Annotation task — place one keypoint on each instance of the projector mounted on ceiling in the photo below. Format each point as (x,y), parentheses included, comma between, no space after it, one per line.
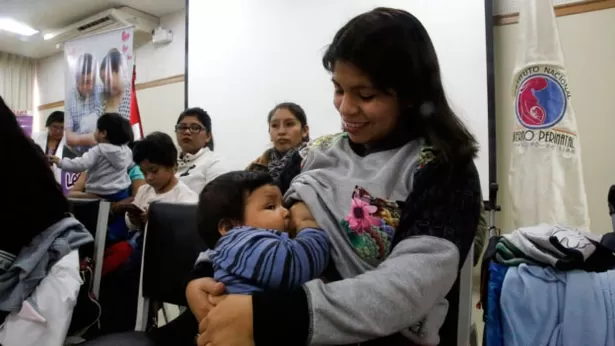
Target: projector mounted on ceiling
(114,18)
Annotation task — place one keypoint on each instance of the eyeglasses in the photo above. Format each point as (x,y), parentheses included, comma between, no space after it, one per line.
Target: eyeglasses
(194,128)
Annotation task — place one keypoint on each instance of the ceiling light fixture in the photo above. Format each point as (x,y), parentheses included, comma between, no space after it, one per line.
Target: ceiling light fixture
(49,36)
(11,25)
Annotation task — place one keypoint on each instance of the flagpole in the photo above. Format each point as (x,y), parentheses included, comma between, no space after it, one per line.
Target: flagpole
(491,205)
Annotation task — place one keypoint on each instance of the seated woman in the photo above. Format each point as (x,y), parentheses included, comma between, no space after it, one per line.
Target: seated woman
(197,164)
(397,193)
(51,141)
(289,133)
(39,242)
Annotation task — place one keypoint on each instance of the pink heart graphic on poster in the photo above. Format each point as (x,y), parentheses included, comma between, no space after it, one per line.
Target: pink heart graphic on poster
(124,48)
(129,57)
(125,36)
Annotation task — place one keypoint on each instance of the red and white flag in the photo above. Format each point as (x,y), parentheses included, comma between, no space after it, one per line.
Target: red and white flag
(135,116)
(546,174)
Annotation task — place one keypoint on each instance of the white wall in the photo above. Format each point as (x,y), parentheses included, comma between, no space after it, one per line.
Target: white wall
(153,63)
(589,54)
(271,52)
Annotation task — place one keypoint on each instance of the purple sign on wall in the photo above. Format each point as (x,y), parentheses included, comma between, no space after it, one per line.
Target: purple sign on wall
(25,121)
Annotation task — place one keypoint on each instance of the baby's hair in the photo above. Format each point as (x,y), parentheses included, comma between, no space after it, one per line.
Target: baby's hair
(158,148)
(117,128)
(224,199)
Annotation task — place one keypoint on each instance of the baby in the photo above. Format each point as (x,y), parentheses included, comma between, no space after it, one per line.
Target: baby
(107,162)
(242,218)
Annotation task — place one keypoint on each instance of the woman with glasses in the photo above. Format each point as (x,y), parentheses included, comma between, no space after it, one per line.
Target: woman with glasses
(197,164)
(51,141)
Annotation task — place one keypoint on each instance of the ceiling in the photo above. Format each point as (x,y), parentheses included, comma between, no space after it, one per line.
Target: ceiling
(50,15)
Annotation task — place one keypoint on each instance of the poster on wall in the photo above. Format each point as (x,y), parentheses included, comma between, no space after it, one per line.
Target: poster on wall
(25,120)
(98,74)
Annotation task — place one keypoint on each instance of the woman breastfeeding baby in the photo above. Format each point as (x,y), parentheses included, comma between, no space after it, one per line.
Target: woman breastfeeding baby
(397,194)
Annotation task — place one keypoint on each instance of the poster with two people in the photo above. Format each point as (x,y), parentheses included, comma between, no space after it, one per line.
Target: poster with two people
(98,76)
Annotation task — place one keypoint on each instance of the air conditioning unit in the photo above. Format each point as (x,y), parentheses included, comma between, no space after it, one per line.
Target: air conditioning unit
(114,18)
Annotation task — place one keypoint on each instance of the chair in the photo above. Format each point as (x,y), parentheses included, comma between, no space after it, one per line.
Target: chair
(611,203)
(458,323)
(171,247)
(94,215)
(464,323)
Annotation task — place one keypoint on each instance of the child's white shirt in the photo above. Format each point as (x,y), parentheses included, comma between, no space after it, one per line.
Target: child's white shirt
(146,195)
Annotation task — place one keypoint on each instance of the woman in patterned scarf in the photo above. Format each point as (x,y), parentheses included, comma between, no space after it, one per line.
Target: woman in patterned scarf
(289,133)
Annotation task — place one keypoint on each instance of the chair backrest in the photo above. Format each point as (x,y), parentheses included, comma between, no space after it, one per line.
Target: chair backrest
(456,327)
(94,215)
(611,203)
(171,248)
(86,211)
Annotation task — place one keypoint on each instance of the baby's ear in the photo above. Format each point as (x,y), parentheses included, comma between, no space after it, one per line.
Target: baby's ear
(225,225)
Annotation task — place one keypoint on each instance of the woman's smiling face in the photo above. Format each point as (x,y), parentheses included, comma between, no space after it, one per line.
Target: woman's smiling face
(368,114)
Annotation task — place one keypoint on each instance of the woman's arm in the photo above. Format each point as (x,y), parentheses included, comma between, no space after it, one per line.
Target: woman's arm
(75,140)
(437,231)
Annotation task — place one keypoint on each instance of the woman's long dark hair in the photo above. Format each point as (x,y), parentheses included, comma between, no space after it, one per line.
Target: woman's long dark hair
(33,200)
(393,48)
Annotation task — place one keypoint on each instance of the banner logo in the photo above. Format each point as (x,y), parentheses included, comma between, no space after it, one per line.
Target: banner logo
(541,100)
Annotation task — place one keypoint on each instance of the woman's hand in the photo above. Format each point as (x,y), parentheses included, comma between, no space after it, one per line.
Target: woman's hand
(202,296)
(53,159)
(301,217)
(229,323)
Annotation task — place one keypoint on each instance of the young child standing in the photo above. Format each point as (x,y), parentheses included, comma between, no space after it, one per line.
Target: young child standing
(107,162)
(156,155)
(242,218)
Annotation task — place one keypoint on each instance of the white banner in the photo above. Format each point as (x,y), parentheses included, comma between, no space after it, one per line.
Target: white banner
(98,76)
(546,175)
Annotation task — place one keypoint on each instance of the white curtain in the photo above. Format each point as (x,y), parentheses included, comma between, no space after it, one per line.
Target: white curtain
(17,81)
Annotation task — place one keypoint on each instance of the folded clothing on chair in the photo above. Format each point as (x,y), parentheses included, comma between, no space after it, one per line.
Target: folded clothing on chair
(543,306)
(557,246)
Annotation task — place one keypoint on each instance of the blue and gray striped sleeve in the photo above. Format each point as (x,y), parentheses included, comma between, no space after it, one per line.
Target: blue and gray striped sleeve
(270,259)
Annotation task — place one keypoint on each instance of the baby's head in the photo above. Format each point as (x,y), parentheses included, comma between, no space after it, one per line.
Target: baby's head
(114,129)
(240,198)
